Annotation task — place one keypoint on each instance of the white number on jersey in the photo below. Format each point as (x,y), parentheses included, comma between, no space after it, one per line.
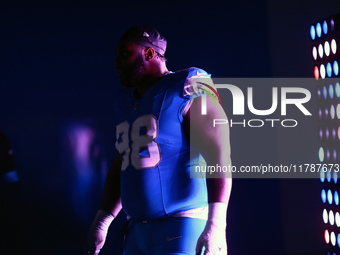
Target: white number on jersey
(139,140)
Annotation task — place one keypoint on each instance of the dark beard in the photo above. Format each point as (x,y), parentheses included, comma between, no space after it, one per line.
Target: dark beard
(133,74)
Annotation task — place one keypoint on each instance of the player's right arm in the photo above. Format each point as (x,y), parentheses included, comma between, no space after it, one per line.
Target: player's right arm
(108,209)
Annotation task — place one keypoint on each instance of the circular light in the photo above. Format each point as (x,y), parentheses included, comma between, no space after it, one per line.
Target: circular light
(329,197)
(326,236)
(322,176)
(321,154)
(328,154)
(323,196)
(320,113)
(324,92)
(336,68)
(337,219)
(327,48)
(325,27)
(318,29)
(329,176)
(330,88)
(332,111)
(336,198)
(337,89)
(326,113)
(320,51)
(327,133)
(315,53)
(316,73)
(333,239)
(331,217)
(333,46)
(335,178)
(338,111)
(329,69)
(312,32)
(323,71)
(320,134)
(325,216)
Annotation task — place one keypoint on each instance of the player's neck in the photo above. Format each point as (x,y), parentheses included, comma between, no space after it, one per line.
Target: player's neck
(150,79)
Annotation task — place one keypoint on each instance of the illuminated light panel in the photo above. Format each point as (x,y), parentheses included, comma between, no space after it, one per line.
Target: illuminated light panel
(324,92)
(316,73)
(333,46)
(329,69)
(323,196)
(322,176)
(334,154)
(338,240)
(335,178)
(329,176)
(319,93)
(337,89)
(327,48)
(332,111)
(325,216)
(323,71)
(338,111)
(320,113)
(329,197)
(328,154)
(326,113)
(331,217)
(312,32)
(336,68)
(327,134)
(337,219)
(320,49)
(318,29)
(330,88)
(333,239)
(333,133)
(315,53)
(326,236)
(321,154)
(325,27)
(336,198)
(320,133)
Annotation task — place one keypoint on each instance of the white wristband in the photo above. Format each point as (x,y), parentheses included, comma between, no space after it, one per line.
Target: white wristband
(103,218)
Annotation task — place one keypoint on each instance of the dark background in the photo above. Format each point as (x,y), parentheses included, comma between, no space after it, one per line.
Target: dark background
(58,81)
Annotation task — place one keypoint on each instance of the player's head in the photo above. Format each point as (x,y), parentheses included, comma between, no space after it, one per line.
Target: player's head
(140,51)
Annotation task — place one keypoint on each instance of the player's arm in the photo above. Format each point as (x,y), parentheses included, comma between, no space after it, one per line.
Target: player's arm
(214,145)
(109,208)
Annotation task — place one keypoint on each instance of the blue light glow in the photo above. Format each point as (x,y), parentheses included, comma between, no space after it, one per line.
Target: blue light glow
(322,176)
(318,29)
(329,197)
(325,27)
(329,175)
(336,198)
(336,68)
(324,92)
(312,32)
(335,178)
(338,240)
(329,69)
(323,196)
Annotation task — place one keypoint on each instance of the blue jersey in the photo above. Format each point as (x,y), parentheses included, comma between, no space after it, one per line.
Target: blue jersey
(155,152)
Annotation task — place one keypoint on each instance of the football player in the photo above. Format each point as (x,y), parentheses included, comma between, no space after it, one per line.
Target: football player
(161,135)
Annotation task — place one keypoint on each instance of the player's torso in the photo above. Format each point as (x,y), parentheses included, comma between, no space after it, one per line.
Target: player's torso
(155,176)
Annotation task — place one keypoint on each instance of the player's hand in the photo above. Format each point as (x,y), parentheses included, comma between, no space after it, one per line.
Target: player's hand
(98,231)
(213,239)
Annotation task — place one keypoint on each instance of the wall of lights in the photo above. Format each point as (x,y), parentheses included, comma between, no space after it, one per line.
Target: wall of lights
(325,37)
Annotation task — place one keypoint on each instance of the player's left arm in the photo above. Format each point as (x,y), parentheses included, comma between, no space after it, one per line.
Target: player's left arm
(214,145)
